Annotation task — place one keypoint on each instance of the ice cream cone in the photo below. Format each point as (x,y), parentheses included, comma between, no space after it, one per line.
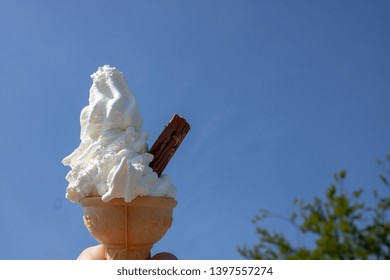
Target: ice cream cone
(128,230)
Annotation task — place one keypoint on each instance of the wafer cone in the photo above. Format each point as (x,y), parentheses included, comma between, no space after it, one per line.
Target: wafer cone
(128,230)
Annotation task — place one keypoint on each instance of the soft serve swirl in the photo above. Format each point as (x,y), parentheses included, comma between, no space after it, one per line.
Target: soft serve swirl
(112,159)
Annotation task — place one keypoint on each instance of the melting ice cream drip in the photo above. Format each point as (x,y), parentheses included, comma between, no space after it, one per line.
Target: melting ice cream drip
(112,159)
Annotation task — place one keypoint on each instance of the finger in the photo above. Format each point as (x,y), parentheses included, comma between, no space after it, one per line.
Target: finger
(164,256)
(93,253)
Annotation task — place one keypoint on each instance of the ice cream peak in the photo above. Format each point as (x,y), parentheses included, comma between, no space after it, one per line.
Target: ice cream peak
(111,105)
(112,159)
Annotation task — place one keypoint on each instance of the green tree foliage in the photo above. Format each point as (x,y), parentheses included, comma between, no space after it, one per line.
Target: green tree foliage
(341,223)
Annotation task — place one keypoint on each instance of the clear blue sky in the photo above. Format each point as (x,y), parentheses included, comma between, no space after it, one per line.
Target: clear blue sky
(280,95)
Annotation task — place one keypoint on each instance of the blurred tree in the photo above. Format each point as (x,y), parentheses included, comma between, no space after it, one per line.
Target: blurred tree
(342,224)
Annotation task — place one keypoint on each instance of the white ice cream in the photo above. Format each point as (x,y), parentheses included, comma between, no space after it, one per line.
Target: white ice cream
(112,159)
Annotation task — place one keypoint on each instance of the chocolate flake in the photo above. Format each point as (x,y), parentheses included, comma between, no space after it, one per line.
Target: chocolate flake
(168,142)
